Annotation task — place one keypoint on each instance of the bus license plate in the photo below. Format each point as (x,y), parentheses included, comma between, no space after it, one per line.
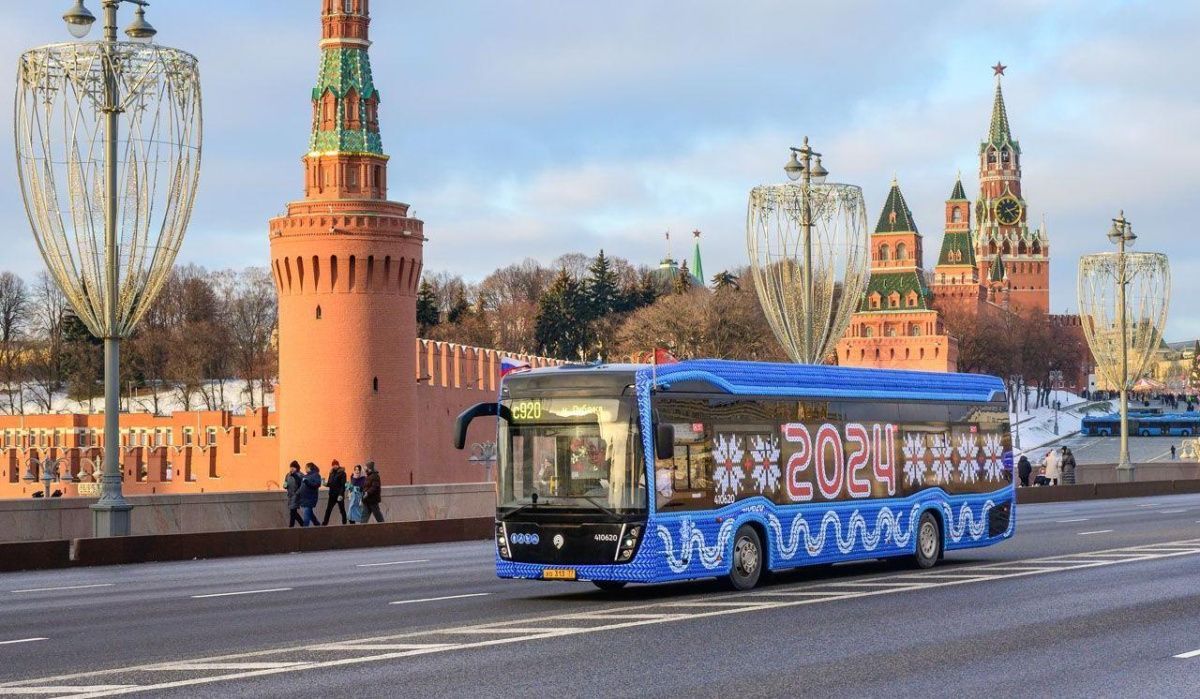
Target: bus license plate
(558,574)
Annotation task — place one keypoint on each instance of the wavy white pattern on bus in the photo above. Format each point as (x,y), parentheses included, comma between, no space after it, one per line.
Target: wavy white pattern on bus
(885,519)
(857,535)
(692,539)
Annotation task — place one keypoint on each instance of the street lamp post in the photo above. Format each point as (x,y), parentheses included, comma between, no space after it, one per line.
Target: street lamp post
(1015,381)
(801,167)
(1056,379)
(807,246)
(1121,234)
(108,140)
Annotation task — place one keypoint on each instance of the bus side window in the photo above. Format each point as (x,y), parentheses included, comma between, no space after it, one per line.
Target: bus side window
(685,481)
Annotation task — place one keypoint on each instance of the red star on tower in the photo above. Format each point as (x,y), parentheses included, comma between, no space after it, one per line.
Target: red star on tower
(998,69)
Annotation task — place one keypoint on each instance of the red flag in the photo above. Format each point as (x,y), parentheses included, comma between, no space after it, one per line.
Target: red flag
(664,356)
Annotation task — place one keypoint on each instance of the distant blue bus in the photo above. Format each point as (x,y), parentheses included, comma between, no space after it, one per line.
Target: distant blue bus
(1143,425)
(706,468)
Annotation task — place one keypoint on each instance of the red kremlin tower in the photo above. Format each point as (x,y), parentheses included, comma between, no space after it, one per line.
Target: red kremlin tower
(347,263)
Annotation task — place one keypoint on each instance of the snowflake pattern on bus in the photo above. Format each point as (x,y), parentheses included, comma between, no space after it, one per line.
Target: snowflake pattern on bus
(968,465)
(942,449)
(993,456)
(914,458)
(728,473)
(765,454)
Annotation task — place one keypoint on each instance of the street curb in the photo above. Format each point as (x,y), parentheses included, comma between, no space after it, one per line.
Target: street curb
(1105,491)
(65,553)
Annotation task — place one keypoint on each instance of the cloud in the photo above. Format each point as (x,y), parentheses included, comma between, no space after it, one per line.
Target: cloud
(539,128)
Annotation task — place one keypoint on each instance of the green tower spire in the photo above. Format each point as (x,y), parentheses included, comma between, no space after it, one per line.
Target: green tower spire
(345,103)
(697,265)
(896,216)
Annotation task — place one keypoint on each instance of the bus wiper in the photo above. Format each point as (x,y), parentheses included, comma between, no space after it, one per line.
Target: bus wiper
(599,505)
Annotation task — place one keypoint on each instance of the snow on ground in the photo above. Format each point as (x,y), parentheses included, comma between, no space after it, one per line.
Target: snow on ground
(1036,426)
(233,398)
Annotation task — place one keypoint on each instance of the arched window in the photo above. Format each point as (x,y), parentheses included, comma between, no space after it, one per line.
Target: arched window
(901,251)
(375,384)
(915,330)
(1037,248)
(884,251)
(1021,249)
(1004,156)
(992,249)
(956,214)
(1006,248)
(318,312)
(868,331)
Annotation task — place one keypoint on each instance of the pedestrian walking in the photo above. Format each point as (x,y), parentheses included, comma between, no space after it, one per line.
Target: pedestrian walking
(1068,466)
(336,484)
(310,490)
(1024,468)
(372,494)
(1053,467)
(1172,452)
(357,482)
(291,483)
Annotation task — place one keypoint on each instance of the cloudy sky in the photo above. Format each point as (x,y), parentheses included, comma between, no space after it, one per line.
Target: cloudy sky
(543,127)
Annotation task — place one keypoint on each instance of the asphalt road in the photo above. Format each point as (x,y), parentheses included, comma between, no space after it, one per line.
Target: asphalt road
(1089,599)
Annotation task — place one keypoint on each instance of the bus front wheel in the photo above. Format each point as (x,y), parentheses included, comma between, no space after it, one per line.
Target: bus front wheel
(747,564)
(929,541)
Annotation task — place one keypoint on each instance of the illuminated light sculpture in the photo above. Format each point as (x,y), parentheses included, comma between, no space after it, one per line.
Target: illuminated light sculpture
(108,137)
(807,243)
(1123,300)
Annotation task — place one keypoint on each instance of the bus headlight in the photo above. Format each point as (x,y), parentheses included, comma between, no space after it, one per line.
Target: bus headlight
(628,543)
(502,540)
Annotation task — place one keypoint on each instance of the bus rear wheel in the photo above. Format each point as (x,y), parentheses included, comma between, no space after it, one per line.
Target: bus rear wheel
(929,541)
(747,565)
(609,585)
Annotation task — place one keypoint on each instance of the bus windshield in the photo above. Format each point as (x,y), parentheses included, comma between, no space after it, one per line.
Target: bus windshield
(580,453)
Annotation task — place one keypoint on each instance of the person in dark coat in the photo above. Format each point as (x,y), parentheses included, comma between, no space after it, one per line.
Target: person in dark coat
(1068,467)
(291,483)
(1024,468)
(310,490)
(336,483)
(372,495)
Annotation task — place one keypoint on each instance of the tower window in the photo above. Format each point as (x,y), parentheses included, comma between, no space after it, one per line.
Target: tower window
(956,214)
(884,252)
(901,251)
(318,312)
(375,384)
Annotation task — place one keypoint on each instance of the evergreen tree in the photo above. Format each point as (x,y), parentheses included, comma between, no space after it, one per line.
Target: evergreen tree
(427,307)
(459,307)
(560,328)
(683,280)
(603,294)
(726,280)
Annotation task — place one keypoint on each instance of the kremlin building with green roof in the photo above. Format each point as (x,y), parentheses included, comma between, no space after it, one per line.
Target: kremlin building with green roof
(999,266)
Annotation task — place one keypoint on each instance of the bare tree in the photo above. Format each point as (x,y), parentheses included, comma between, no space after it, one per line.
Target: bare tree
(49,308)
(14,318)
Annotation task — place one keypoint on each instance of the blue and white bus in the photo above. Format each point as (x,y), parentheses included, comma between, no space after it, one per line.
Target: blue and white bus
(710,468)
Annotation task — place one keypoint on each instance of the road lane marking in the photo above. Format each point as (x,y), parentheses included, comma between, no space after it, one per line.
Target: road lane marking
(546,627)
(439,599)
(194,667)
(1098,531)
(65,690)
(1067,521)
(23,640)
(66,587)
(1189,654)
(390,563)
(241,592)
(1171,512)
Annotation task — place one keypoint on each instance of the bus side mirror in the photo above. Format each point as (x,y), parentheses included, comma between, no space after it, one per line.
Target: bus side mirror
(664,441)
(464,420)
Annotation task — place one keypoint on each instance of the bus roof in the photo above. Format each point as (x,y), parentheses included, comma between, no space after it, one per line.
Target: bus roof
(800,380)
